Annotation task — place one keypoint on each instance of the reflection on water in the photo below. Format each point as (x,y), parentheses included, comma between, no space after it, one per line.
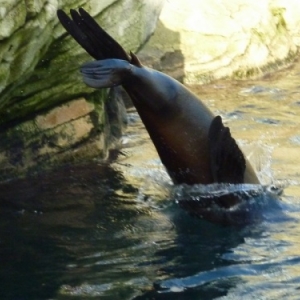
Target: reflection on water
(249,203)
(111,231)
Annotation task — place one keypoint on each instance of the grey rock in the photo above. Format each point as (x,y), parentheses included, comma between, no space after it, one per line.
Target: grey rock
(231,38)
(48,117)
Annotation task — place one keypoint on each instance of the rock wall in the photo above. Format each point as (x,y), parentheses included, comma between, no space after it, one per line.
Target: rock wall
(39,62)
(47,115)
(74,132)
(231,38)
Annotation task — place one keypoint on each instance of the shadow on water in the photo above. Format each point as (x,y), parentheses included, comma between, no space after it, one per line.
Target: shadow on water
(200,268)
(49,220)
(77,232)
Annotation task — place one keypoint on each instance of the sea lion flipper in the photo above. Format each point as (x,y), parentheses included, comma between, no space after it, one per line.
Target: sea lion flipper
(78,35)
(85,30)
(227,160)
(109,46)
(106,73)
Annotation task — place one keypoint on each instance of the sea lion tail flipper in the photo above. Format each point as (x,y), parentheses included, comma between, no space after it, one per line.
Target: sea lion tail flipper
(106,73)
(94,39)
(79,36)
(227,160)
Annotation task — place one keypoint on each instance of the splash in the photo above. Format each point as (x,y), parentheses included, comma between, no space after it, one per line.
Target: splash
(227,203)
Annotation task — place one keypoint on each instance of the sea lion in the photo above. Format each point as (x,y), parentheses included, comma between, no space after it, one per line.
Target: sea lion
(192,143)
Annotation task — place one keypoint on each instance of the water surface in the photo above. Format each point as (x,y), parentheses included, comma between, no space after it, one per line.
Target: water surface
(111,231)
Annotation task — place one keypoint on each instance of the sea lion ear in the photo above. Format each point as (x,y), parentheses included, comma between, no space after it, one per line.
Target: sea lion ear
(227,160)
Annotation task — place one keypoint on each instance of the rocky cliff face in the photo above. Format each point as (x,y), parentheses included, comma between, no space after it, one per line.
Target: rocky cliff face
(232,38)
(39,61)
(46,115)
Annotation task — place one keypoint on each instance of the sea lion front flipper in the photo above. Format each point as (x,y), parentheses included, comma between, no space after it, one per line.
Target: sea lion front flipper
(95,40)
(227,160)
(106,73)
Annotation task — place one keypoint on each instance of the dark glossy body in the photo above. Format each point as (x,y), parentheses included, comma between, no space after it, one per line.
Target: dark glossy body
(177,121)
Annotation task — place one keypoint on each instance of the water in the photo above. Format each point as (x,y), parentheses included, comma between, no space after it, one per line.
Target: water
(111,231)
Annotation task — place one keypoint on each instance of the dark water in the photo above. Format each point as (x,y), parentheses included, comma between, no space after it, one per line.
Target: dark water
(112,232)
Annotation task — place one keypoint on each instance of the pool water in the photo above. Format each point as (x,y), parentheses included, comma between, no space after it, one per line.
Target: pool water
(112,231)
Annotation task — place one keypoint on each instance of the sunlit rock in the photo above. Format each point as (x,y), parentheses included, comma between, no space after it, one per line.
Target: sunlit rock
(215,39)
